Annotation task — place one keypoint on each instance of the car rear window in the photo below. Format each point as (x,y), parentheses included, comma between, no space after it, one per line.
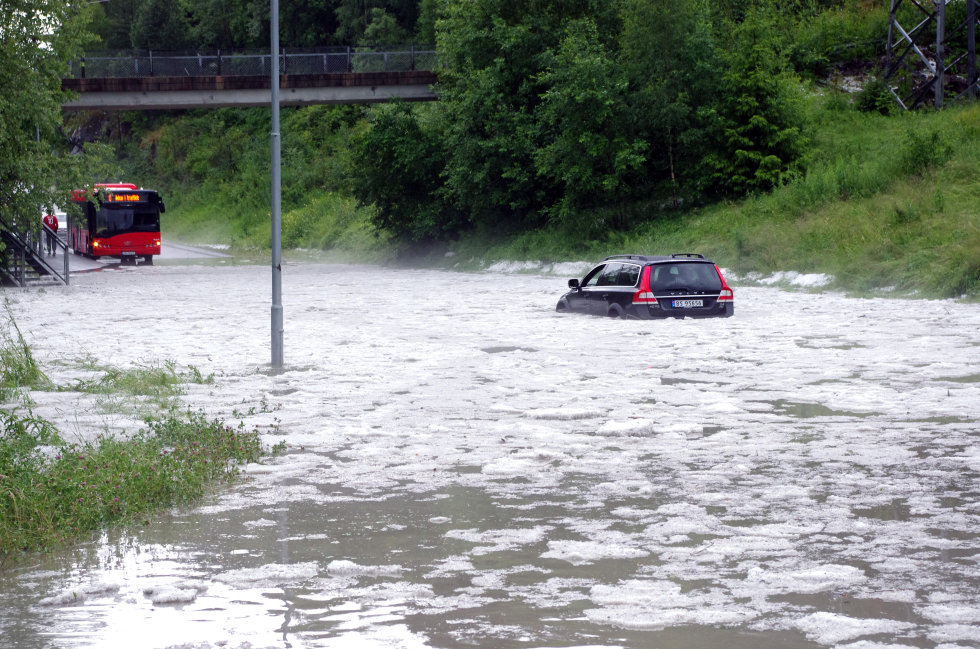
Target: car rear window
(692,276)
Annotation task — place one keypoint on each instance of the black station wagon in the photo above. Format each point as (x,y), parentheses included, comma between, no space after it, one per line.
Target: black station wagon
(635,286)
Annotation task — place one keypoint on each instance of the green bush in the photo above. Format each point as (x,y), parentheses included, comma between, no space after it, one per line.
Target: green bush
(56,492)
(924,149)
(875,97)
(52,492)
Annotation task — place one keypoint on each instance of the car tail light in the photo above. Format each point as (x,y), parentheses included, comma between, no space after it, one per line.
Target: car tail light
(645,295)
(726,292)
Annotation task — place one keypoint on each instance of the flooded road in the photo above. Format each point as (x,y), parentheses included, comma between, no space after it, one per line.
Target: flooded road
(466,467)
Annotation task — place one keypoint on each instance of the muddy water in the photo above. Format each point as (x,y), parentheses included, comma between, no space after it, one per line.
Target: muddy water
(271,576)
(467,468)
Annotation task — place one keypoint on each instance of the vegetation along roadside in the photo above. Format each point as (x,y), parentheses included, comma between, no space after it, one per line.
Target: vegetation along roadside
(760,132)
(53,492)
(756,132)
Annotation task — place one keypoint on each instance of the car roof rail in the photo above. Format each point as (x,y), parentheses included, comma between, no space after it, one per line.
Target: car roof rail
(688,255)
(641,257)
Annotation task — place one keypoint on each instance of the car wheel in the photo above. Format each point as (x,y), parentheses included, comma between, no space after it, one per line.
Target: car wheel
(616,312)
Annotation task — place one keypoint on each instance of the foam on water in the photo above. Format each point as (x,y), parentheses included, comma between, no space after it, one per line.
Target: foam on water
(463,463)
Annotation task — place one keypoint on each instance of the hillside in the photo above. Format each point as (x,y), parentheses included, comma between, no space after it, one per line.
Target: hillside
(888,202)
(888,205)
(569,133)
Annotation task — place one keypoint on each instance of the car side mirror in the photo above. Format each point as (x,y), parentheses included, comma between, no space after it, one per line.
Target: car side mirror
(163,208)
(573,283)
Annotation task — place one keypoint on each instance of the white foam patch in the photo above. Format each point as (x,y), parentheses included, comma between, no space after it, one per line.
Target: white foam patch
(171,595)
(628,427)
(793,278)
(564,414)
(511,466)
(643,604)
(272,574)
(262,522)
(374,634)
(956,633)
(500,540)
(814,580)
(81,593)
(831,629)
(951,614)
(583,552)
(451,566)
(346,568)
(867,644)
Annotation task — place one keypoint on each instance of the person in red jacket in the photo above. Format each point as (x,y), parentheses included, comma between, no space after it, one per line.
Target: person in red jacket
(51,221)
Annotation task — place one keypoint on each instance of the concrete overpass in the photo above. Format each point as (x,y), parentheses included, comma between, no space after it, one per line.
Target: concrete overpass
(160,81)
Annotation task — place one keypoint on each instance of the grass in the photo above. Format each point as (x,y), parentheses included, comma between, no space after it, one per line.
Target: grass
(325,221)
(141,390)
(887,203)
(53,493)
(18,368)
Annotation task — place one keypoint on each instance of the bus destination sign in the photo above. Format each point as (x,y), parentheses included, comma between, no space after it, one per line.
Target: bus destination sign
(124,198)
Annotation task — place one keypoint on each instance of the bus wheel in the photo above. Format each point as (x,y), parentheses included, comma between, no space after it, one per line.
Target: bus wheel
(148,259)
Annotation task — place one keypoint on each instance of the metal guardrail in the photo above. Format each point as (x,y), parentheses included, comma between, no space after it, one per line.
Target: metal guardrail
(24,255)
(150,63)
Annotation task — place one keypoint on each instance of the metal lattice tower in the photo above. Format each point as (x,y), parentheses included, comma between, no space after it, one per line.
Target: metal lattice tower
(928,59)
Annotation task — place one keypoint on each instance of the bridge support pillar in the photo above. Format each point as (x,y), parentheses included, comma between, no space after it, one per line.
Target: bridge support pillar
(920,65)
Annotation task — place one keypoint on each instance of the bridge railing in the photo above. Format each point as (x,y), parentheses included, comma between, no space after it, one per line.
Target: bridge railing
(150,63)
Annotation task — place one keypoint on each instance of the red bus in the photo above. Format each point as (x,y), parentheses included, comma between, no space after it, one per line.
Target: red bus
(116,220)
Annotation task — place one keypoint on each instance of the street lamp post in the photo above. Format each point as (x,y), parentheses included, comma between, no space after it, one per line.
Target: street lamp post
(277,328)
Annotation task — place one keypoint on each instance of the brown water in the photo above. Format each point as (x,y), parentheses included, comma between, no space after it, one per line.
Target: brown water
(476,470)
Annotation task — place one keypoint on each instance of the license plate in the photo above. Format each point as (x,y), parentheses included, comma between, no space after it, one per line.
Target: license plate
(128,253)
(686,304)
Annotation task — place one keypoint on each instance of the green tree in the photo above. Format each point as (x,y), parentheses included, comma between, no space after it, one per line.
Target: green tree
(589,149)
(425,27)
(355,16)
(37,38)
(302,23)
(113,23)
(160,24)
(383,29)
(757,120)
(496,54)
(668,53)
(396,166)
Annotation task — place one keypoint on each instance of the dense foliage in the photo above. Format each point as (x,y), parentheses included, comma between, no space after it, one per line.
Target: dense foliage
(565,114)
(231,24)
(577,115)
(572,130)
(37,37)
(56,492)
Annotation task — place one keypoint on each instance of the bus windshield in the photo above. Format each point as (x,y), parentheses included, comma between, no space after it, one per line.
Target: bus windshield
(112,221)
